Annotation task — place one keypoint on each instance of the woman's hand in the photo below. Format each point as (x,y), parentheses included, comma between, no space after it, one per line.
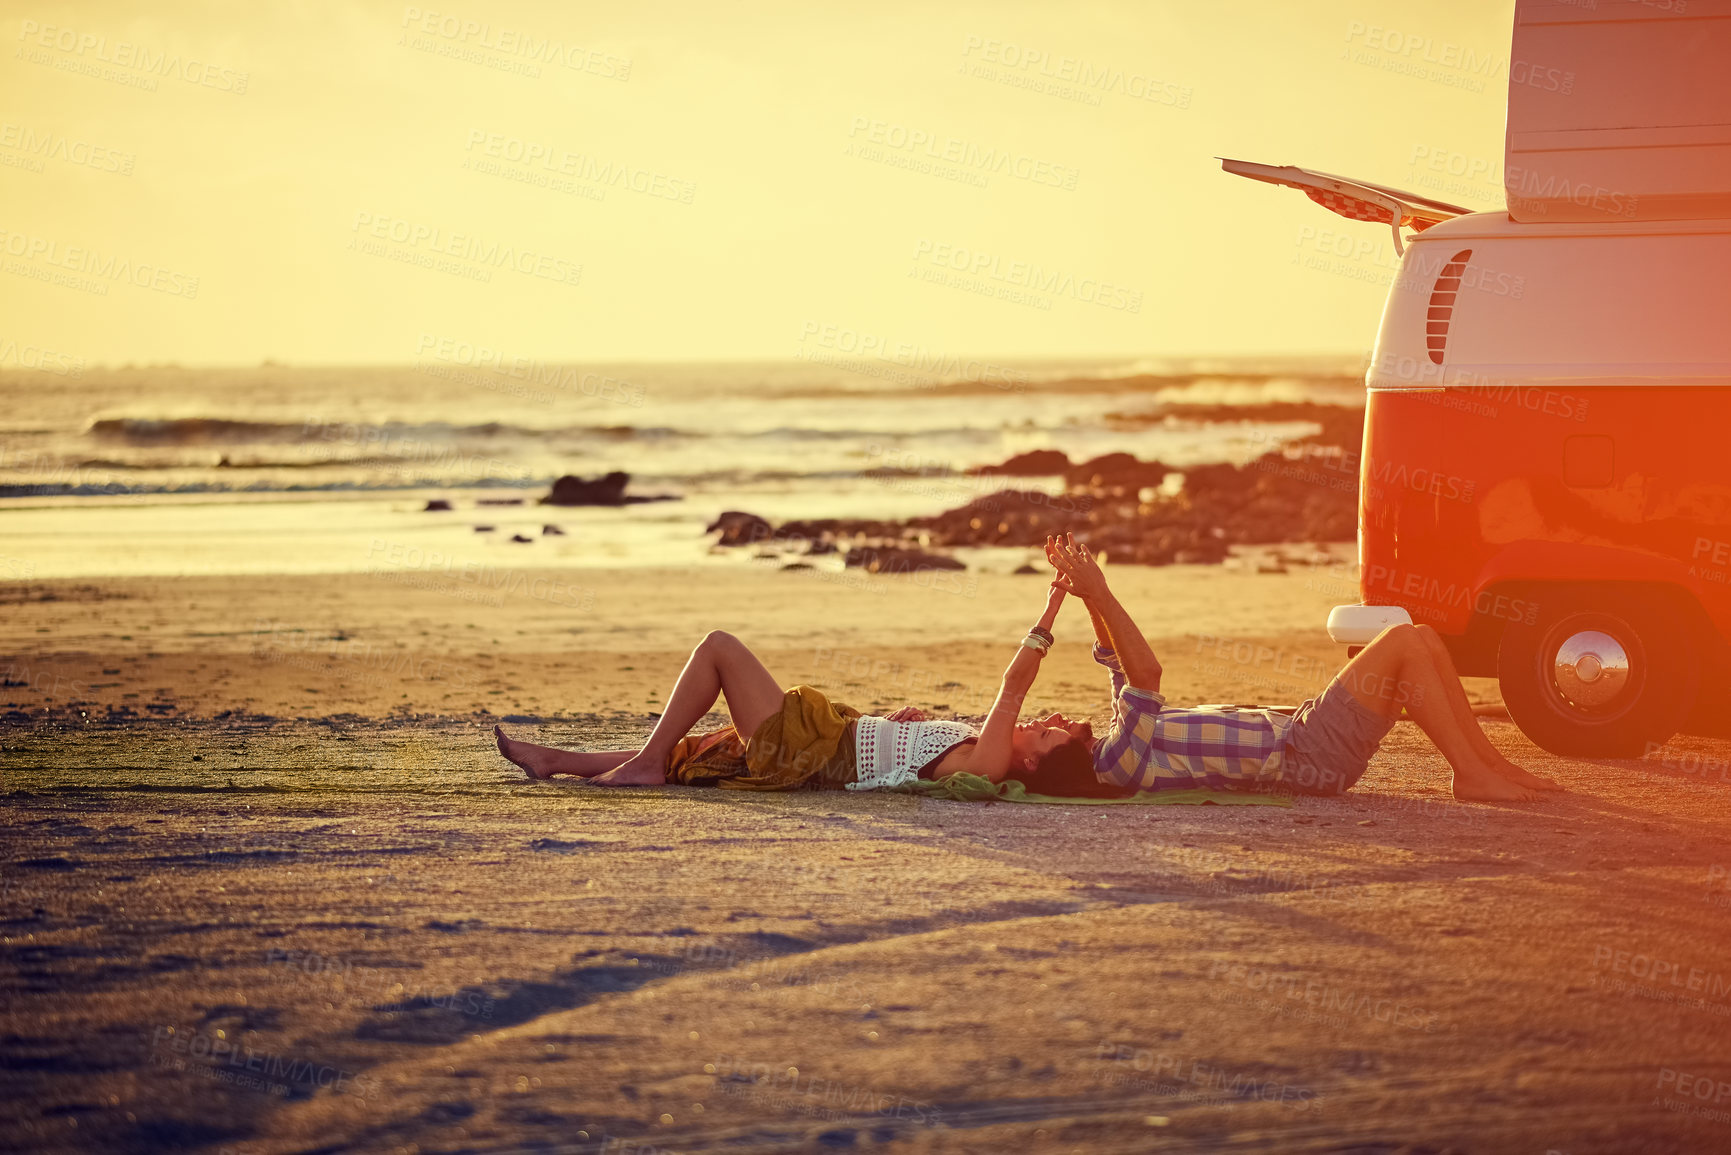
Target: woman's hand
(908,714)
(1078,572)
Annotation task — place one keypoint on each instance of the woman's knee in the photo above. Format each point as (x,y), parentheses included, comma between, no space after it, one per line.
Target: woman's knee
(718,640)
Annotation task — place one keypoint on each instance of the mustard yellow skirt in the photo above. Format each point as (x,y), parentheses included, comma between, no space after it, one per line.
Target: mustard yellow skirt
(807,745)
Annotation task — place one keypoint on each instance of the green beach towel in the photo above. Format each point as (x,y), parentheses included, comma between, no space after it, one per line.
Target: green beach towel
(965,787)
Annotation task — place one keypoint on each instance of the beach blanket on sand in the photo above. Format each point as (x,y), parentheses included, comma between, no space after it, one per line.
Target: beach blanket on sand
(973,788)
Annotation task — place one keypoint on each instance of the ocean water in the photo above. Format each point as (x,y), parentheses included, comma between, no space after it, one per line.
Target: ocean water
(165,470)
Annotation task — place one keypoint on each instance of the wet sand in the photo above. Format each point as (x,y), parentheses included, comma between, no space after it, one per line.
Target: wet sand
(267,887)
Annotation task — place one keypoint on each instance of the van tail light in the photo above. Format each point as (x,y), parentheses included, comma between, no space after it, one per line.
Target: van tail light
(1442,304)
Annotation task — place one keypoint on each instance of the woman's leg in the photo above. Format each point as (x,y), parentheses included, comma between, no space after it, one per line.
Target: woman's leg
(1397,670)
(1463,711)
(721,665)
(546,761)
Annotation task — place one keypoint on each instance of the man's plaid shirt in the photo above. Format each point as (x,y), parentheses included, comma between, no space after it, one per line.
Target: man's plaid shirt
(1155,748)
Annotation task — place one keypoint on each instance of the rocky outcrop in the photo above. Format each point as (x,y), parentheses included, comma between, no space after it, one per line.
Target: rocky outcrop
(1116,471)
(573,490)
(1305,492)
(1038,463)
(740,528)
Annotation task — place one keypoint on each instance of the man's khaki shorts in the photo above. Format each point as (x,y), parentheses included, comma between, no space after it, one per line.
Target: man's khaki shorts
(1331,742)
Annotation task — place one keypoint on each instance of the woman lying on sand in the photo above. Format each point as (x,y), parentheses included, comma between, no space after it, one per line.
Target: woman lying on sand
(798,739)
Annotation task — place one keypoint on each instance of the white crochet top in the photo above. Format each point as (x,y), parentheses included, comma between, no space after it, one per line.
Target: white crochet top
(889,754)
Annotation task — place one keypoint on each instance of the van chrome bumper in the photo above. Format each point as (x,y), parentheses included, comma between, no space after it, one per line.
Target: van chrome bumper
(1357,625)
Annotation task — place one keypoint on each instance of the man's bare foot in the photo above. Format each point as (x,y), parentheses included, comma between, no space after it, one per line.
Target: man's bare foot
(637,771)
(1479,783)
(1522,778)
(530,757)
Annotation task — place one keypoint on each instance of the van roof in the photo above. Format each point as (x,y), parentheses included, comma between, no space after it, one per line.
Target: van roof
(1618,110)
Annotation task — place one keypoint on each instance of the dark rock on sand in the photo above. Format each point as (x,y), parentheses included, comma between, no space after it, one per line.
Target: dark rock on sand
(740,528)
(573,490)
(1036,463)
(437,505)
(552,531)
(484,528)
(500,501)
(520,538)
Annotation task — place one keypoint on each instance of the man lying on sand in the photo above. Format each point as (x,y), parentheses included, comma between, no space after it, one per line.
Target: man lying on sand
(798,739)
(1322,748)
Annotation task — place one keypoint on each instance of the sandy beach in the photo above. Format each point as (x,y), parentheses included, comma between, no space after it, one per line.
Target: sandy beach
(268,887)
(377,376)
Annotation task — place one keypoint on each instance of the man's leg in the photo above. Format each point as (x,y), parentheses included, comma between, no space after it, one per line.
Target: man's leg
(720,665)
(1396,671)
(1463,711)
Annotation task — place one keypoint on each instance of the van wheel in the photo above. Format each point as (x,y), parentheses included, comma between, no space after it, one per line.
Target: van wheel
(1599,674)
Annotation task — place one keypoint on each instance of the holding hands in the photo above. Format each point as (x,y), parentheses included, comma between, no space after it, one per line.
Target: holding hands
(1078,572)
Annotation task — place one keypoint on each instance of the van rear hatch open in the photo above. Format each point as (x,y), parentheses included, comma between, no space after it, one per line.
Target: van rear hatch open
(1358,200)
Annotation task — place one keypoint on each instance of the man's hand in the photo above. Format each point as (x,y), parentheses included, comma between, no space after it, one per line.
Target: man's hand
(908,714)
(1113,629)
(1078,572)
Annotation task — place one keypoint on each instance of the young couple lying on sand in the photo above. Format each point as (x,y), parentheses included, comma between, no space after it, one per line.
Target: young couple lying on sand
(798,739)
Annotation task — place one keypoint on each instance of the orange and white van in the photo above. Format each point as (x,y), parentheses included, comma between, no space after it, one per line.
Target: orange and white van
(1545,476)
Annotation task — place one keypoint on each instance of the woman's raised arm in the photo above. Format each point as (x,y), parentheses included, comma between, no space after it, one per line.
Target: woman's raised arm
(991,754)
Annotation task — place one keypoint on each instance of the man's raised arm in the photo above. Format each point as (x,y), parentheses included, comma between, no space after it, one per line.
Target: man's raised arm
(1114,629)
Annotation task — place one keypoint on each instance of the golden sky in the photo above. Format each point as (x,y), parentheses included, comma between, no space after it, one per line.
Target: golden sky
(322,183)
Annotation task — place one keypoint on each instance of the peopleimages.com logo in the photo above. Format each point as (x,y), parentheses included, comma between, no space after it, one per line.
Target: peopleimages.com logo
(124,61)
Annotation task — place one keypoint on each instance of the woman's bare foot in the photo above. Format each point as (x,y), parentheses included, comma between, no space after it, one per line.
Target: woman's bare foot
(1475,782)
(532,758)
(638,771)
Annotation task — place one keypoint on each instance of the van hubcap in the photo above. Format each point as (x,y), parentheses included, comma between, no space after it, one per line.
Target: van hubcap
(1591,669)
